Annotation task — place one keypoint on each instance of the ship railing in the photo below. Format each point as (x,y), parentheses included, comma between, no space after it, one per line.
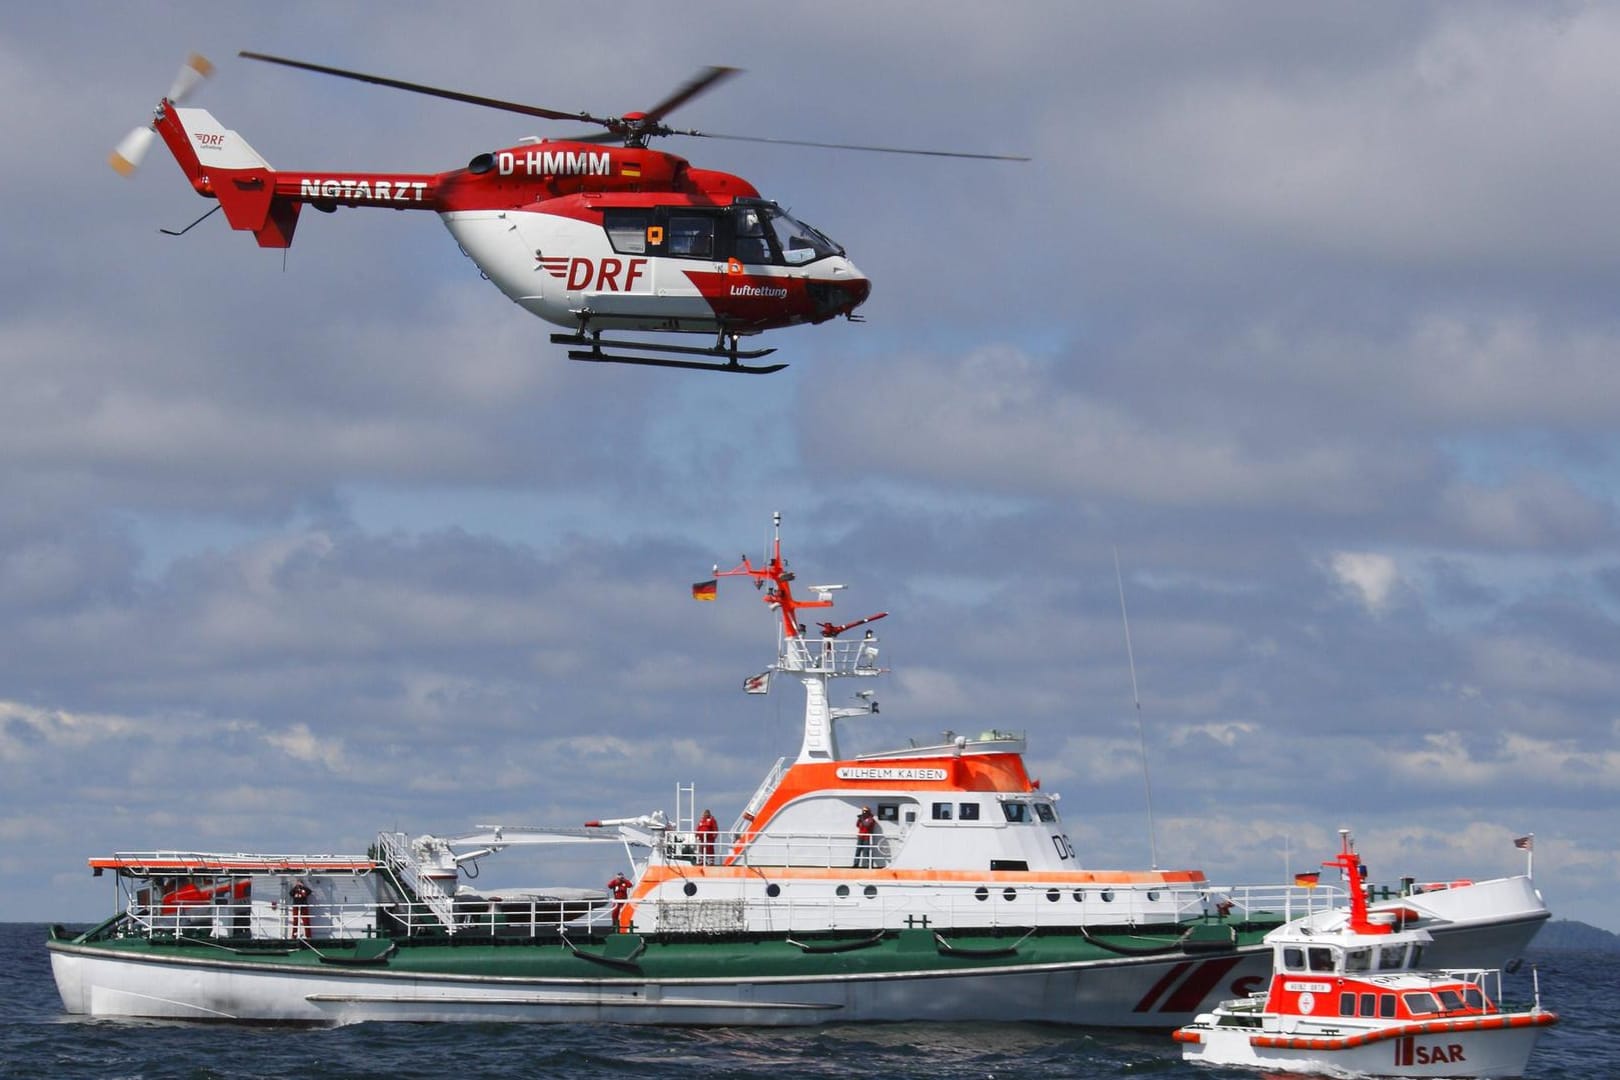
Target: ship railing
(829,656)
(266,921)
(780,849)
(752,808)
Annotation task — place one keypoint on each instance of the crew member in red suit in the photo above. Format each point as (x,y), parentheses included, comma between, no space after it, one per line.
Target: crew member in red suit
(619,887)
(299,915)
(707,830)
(865,826)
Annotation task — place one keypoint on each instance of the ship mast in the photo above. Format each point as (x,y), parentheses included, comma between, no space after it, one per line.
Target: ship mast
(816,661)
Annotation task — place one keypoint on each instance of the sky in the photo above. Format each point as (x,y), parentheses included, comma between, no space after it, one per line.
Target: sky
(1305,313)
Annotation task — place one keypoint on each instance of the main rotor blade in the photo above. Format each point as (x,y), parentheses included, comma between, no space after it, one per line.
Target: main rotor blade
(853,146)
(431,91)
(699,83)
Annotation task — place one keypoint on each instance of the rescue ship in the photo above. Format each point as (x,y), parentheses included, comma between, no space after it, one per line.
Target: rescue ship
(1352,994)
(960,897)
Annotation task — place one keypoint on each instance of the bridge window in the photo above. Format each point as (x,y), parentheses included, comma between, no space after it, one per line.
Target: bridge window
(1294,959)
(1015,811)
(1321,959)
(1045,812)
(1420,1004)
(888,811)
(968,811)
(942,811)
(1358,960)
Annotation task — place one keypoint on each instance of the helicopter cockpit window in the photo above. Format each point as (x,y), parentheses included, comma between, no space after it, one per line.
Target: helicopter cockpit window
(627,230)
(752,246)
(800,243)
(690,237)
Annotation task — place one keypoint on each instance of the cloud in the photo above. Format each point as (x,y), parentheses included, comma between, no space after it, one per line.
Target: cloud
(1369,576)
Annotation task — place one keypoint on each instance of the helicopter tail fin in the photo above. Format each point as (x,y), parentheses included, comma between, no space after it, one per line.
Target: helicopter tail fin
(220,163)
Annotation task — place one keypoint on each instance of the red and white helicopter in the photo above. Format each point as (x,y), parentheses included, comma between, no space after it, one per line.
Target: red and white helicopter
(587,236)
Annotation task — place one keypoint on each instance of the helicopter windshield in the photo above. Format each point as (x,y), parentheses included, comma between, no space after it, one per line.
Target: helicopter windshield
(799,242)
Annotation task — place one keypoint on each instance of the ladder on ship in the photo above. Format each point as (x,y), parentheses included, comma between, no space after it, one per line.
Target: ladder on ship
(396,853)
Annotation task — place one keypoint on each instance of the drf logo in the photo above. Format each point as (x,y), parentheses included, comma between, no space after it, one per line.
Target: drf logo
(208,140)
(593,275)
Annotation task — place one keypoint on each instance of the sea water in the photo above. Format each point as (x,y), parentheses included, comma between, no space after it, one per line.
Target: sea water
(39,1039)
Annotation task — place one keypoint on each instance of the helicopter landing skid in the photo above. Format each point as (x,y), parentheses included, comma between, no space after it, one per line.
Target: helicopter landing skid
(589,349)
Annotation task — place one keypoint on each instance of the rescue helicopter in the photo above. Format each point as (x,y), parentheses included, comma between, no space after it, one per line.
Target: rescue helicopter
(598,233)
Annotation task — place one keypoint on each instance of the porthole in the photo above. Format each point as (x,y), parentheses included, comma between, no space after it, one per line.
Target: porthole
(842,891)
(1108,896)
(1153,894)
(690,888)
(1053,895)
(773,890)
(1009,894)
(981,893)
(1079,896)
(870,891)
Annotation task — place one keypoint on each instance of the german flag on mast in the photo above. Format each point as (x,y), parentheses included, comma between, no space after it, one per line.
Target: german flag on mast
(706,590)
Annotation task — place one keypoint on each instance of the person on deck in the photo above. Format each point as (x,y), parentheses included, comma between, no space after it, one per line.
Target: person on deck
(298,913)
(619,889)
(707,829)
(865,826)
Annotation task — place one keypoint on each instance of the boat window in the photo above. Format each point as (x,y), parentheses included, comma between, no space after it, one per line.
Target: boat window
(1386,1006)
(1475,997)
(627,229)
(968,811)
(1417,956)
(1450,1000)
(1369,1003)
(842,891)
(1391,957)
(1045,812)
(690,237)
(942,811)
(1015,811)
(1294,958)
(888,811)
(1358,959)
(1321,959)
(1347,1004)
(1420,1003)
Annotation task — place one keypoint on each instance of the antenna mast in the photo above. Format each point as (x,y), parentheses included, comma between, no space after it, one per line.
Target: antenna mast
(1136,699)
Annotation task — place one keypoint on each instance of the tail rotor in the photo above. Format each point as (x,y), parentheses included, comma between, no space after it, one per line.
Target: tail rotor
(126,156)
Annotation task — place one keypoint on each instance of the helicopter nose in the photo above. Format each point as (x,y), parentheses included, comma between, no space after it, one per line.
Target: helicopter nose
(838,297)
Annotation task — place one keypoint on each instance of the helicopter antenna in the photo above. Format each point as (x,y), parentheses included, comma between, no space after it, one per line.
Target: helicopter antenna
(1136,699)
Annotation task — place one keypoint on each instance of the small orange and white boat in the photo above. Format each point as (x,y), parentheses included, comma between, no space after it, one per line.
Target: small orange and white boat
(1349,995)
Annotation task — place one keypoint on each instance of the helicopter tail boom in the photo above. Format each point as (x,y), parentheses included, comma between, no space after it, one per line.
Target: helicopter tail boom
(221,165)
